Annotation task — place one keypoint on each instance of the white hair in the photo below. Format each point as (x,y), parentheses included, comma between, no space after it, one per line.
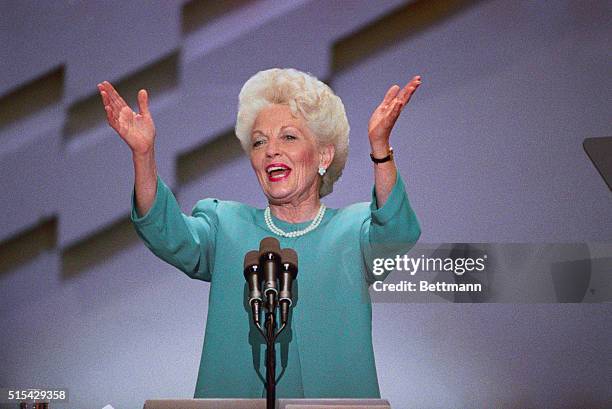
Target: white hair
(322,109)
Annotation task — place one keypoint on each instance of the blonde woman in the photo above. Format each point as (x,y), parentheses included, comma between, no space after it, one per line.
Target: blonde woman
(294,130)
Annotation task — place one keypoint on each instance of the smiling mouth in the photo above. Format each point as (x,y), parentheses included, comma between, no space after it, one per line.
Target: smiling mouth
(277,172)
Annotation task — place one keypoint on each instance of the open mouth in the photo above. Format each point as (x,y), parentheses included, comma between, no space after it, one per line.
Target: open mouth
(277,171)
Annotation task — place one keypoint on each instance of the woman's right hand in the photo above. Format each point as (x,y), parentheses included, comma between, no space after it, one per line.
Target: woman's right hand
(136,129)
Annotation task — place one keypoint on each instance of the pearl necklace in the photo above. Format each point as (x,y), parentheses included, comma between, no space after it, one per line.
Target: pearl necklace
(313,225)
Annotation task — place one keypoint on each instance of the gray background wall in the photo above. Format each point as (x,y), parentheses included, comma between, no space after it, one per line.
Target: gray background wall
(490,149)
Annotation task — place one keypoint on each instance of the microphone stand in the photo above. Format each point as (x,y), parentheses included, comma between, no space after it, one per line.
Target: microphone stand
(271,305)
(270,335)
(270,361)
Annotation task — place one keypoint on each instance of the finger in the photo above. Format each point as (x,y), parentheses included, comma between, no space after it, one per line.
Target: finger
(105,98)
(109,93)
(125,119)
(414,81)
(143,102)
(391,93)
(103,94)
(106,89)
(395,110)
(110,106)
(409,94)
(109,116)
(405,94)
(391,117)
(108,111)
(115,97)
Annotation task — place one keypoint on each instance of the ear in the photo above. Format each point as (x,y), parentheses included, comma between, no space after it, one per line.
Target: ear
(326,155)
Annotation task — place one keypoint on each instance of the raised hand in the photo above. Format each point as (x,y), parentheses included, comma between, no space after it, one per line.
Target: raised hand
(136,129)
(384,116)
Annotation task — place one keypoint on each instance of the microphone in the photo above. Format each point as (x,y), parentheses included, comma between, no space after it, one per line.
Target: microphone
(270,264)
(269,260)
(253,277)
(289,272)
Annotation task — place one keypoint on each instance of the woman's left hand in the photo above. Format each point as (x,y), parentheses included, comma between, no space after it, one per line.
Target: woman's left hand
(385,115)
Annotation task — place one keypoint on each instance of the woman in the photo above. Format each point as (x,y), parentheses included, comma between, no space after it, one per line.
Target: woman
(295,132)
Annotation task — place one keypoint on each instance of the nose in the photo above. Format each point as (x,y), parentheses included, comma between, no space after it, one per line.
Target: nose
(272,148)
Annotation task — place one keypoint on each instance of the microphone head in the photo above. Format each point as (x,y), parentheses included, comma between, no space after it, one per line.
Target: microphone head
(251,258)
(290,257)
(269,245)
(253,276)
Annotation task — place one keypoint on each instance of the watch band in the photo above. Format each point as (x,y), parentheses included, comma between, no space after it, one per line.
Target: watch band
(383,160)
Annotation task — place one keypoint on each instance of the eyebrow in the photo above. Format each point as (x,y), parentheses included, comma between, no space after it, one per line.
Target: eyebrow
(290,126)
(257,131)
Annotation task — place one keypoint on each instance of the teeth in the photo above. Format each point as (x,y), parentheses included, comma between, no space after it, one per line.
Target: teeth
(272,169)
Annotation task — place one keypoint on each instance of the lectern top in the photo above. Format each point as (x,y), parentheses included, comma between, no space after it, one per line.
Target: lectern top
(261,404)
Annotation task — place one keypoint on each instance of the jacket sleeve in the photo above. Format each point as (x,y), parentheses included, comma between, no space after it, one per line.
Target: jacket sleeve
(389,231)
(186,242)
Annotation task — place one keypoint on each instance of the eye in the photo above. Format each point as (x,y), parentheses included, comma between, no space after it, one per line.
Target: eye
(258,143)
(290,137)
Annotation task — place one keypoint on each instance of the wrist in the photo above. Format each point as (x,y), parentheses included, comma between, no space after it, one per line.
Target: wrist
(380,150)
(388,157)
(147,154)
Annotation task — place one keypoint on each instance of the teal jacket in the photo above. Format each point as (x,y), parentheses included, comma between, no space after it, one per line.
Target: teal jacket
(326,351)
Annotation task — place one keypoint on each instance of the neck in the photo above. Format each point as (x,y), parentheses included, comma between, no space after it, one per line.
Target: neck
(302,211)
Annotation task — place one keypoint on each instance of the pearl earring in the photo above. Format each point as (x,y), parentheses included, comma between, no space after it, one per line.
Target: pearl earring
(322,170)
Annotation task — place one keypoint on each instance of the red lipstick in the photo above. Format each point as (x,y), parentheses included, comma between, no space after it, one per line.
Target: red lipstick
(277,171)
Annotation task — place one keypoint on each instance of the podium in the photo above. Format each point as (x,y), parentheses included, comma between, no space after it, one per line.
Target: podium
(261,404)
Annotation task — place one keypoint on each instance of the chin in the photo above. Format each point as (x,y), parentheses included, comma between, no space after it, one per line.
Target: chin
(278,194)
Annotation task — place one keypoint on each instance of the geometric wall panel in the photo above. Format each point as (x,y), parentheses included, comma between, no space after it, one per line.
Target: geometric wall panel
(198,13)
(393,28)
(489,148)
(98,178)
(28,99)
(28,27)
(116,38)
(158,77)
(210,89)
(29,171)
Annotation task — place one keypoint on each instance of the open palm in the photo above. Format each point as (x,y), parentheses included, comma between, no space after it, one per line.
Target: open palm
(384,116)
(136,129)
